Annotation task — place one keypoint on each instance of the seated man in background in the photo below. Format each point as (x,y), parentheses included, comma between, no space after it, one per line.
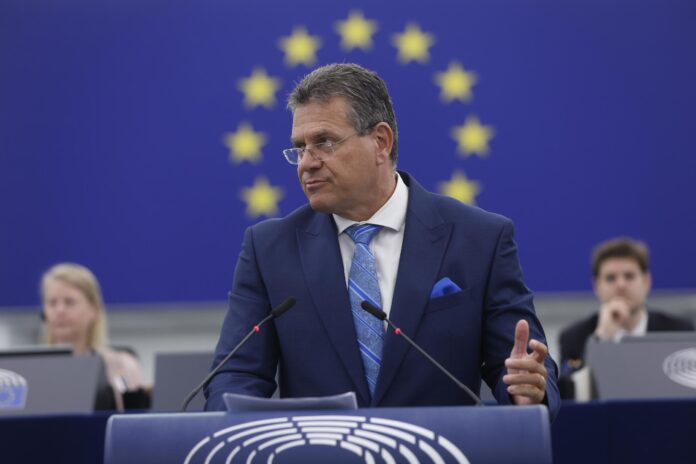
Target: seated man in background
(74,314)
(622,281)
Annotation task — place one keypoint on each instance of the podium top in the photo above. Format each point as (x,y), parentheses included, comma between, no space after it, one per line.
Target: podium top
(461,434)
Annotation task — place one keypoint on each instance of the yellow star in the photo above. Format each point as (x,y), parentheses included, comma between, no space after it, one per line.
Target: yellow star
(259,89)
(455,83)
(460,188)
(413,44)
(245,144)
(356,31)
(300,47)
(473,137)
(261,198)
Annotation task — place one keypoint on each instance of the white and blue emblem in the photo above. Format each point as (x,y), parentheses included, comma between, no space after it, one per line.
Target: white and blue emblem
(369,440)
(680,367)
(13,390)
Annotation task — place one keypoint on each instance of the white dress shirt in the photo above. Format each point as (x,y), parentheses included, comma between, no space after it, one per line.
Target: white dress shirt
(638,331)
(385,246)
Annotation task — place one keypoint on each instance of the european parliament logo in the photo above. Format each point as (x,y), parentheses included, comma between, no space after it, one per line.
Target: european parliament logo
(358,37)
(13,390)
(680,367)
(351,438)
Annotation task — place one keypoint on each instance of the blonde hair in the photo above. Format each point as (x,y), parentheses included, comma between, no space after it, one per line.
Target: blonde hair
(83,280)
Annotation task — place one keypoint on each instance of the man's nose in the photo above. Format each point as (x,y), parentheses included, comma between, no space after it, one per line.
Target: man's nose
(621,283)
(309,161)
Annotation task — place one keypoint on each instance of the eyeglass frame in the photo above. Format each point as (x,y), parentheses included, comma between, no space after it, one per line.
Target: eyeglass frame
(328,144)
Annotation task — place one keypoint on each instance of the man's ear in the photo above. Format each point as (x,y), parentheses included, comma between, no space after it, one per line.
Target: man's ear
(384,140)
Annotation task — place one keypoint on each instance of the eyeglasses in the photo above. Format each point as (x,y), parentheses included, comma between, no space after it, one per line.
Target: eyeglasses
(319,151)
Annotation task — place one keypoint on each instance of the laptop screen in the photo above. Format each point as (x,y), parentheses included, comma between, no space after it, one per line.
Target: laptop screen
(176,374)
(48,383)
(655,366)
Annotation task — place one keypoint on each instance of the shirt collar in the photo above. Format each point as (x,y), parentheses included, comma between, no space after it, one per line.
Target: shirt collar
(642,327)
(392,214)
(638,331)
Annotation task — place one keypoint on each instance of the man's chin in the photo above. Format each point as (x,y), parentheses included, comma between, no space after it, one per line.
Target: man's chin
(318,205)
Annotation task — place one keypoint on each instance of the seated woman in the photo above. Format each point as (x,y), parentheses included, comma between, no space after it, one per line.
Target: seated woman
(74,314)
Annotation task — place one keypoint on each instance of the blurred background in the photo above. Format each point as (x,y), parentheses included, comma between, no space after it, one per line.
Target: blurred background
(140,139)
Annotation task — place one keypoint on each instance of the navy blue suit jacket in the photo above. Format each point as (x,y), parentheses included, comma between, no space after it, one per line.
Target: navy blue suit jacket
(314,346)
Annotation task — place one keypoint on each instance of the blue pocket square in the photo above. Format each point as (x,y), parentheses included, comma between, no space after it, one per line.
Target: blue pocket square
(443,287)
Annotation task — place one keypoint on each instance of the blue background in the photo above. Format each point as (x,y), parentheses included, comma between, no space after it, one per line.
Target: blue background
(112,116)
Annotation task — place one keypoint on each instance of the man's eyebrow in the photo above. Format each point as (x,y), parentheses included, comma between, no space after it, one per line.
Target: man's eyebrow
(321,134)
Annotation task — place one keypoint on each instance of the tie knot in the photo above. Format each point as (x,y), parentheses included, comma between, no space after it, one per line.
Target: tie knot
(363,233)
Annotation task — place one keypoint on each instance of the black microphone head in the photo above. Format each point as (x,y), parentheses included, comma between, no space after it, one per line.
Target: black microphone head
(282,307)
(374,310)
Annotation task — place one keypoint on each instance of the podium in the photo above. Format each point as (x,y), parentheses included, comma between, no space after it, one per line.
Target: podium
(456,434)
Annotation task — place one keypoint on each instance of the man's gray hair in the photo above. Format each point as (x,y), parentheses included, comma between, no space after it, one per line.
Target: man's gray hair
(365,92)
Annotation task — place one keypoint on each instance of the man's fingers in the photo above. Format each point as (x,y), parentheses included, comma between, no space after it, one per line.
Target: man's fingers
(535,380)
(527,376)
(534,394)
(618,309)
(539,351)
(529,364)
(519,350)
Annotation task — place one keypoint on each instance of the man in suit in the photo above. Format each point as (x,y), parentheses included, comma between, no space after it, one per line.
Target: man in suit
(622,282)
(446,273)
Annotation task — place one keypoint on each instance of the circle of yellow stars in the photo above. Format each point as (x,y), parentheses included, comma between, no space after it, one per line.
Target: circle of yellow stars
(356,32)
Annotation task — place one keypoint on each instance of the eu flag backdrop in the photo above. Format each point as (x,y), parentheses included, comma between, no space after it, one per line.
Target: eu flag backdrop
(142,138)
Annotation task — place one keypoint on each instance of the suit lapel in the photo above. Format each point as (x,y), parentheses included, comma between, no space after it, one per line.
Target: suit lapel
(426,237)
(323,270)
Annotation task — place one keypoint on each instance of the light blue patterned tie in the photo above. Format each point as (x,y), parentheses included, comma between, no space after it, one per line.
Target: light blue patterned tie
(363,285)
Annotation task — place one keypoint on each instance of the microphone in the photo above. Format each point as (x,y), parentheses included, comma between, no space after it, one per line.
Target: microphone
(275,312)
(382,316)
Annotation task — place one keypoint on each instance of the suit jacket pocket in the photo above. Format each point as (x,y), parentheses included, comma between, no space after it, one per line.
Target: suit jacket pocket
(448,301)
